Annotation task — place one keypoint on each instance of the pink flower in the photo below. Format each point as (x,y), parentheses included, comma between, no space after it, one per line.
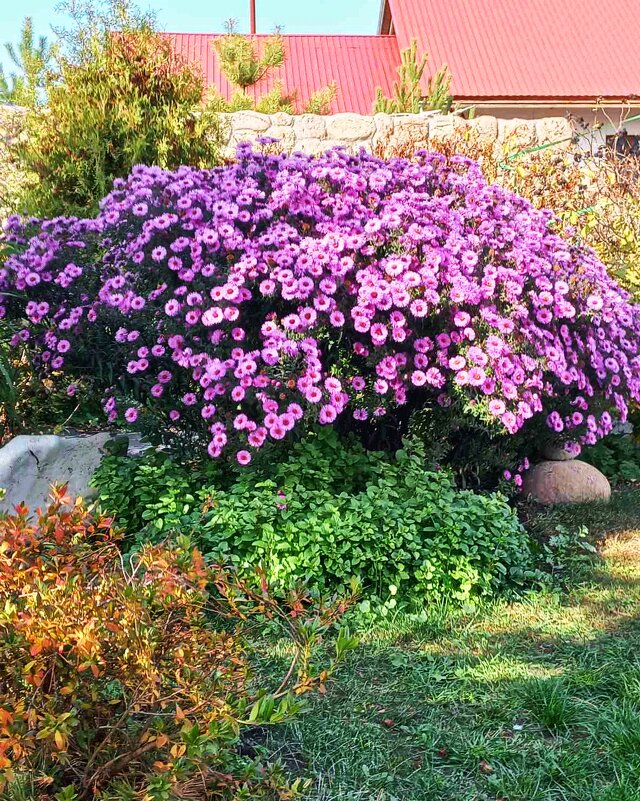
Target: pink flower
(131,415)
(243,457)
(327,414)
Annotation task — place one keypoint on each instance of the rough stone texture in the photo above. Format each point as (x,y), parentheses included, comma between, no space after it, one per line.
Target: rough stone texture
(485,128)
(572,481)
(310,126)
(410,131)
(30,464)
(557,454)
(284,134)
(249,121)
(350,127)
(517,134)
(554,129)
(311,146)
(383,134)
(387,133)
(443,126)
(282,118)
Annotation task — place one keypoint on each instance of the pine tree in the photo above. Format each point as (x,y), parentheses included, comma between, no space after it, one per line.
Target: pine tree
(32,60)
(407,90)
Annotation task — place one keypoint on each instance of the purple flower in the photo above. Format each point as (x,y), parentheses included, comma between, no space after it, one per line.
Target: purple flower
(380,285)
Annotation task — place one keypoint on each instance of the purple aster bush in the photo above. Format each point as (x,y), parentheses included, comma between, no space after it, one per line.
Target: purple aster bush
(231,307)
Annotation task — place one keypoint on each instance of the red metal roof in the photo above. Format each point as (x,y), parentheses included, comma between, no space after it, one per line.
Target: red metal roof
(528,49)
(358,64)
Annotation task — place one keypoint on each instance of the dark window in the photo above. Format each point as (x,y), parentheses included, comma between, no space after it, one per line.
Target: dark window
(624,144)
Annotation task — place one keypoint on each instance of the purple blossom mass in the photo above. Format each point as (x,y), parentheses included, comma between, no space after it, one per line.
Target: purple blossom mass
(241,303)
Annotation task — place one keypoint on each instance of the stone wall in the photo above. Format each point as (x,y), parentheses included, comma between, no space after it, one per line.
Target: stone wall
(384,134)
(380,133)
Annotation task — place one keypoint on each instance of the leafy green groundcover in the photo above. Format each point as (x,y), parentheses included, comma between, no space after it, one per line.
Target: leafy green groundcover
(328,514)
(617,456)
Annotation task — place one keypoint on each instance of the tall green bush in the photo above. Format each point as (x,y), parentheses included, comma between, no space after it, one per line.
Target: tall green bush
(123,99)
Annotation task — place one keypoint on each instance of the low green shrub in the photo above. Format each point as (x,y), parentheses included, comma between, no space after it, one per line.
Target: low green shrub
(327,514)
(617,456)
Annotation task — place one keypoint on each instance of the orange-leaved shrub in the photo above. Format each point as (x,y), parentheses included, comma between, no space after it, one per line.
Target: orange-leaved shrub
(130,678)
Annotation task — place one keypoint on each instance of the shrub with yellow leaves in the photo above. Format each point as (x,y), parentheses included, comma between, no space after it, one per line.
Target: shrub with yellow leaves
(597,199)
(131,678)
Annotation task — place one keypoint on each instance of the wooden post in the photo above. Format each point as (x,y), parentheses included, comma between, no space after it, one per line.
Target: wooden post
(252,16)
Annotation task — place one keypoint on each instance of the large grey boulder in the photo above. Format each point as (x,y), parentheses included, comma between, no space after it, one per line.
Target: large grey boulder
(30,464)
(570,481)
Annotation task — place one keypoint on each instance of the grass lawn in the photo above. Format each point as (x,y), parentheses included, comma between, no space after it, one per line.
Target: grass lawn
(537,700)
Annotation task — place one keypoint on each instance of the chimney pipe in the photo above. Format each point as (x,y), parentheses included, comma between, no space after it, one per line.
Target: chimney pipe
(252,16)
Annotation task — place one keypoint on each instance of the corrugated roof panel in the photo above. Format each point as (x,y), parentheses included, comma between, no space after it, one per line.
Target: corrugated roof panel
(535,49)
(358,65)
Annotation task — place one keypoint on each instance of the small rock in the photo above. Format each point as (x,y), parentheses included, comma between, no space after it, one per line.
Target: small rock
(570,481)
(553,453)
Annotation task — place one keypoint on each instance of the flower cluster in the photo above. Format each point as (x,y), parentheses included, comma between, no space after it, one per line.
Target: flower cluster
(237,304)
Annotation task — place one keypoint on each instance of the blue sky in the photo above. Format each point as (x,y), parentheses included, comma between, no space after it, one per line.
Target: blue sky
(208,16)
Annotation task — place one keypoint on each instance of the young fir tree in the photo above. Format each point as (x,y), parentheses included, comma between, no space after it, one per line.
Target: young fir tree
(408,96)
(32,60)
(245,64)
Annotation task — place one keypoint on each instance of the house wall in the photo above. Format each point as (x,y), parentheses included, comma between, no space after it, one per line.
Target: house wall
(380,133)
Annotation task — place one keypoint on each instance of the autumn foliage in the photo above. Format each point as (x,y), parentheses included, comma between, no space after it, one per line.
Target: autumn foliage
(120,678)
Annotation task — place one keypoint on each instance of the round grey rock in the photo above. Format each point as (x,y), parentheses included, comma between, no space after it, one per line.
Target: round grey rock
(566,482)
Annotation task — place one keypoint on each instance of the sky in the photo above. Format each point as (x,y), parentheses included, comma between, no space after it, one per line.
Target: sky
(208,16)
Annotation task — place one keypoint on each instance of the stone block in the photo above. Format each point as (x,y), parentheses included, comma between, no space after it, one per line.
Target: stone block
(282,118)
(441,126)
(485,128)
(384,131)
(517,134)
(310,126)
(250,121)
(349,127)
(244,135)
(311,146)
(30,464)
(410,132)
(284,134)
(554,129)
